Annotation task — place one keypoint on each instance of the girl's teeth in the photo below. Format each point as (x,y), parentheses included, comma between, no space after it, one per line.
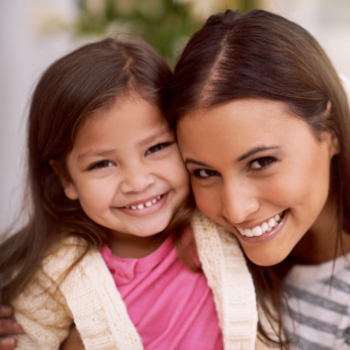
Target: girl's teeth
(259,230)
(147,204)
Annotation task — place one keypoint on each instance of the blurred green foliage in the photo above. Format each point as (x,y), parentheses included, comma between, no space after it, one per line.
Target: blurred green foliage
(165,24)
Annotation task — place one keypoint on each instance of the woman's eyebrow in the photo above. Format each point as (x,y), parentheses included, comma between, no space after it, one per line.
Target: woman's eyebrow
(253,151)
(192,161)
(242,157)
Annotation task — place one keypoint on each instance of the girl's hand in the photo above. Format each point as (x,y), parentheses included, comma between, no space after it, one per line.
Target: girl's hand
(8,327)
(73,341)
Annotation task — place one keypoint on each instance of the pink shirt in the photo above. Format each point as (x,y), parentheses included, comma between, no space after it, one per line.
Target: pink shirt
(170,306)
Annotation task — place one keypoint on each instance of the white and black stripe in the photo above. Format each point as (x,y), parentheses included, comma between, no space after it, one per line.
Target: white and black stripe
(320,306)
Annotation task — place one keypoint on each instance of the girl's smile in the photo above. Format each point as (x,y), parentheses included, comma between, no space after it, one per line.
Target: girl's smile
(126,169)
(261,172)
(145,206)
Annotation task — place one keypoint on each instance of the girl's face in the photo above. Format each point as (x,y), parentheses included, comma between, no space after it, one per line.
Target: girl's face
(126,169)
(260,172)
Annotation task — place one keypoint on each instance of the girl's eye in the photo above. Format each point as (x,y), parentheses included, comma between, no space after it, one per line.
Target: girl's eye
(262,163)
(157,148)
(102,164)
(205,173)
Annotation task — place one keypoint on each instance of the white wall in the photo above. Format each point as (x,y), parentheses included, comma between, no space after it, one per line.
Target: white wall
(26,51)
(328,21)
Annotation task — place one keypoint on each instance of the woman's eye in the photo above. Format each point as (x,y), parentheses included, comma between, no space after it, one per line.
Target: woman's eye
(101,164)
(157,148)
(205,173)
(262,163)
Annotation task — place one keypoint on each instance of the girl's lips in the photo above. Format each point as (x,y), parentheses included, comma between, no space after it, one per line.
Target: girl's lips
(146,202)
(267,235)
(142,208)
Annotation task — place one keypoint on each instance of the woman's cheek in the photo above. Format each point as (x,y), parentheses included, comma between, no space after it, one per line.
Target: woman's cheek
(208,202)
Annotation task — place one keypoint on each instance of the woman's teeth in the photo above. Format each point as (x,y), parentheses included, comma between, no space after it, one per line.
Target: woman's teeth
(265,227)
(144,205)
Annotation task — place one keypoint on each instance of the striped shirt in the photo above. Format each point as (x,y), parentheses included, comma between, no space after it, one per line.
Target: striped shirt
(320,305)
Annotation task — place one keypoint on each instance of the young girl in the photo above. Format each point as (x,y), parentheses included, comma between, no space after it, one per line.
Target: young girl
(110,203)
(263,125)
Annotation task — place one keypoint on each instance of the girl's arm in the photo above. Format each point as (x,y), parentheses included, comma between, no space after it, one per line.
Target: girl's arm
(8,327)
(73,341)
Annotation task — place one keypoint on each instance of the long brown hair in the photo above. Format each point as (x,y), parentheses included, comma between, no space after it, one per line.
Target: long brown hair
(71,90)
(260,54)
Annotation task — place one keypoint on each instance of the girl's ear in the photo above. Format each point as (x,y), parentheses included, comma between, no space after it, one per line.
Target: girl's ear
(68,185)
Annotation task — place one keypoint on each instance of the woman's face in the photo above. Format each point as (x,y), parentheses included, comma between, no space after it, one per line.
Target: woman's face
(259,171)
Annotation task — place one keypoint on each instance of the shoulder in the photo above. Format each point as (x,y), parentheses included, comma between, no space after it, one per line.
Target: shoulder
(209,235)
(227,274)
(62,256)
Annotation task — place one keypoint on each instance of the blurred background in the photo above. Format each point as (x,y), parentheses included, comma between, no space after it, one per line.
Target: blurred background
(34,33)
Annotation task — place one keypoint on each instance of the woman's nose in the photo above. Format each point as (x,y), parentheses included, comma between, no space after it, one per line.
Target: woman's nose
(240,201)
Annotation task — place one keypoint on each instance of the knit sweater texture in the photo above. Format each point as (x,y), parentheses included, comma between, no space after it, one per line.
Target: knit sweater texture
(88,297)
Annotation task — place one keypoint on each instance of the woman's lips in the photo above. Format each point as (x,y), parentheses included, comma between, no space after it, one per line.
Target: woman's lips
(265,231)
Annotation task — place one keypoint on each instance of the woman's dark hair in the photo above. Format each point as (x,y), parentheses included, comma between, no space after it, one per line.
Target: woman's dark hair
(263,55)
(70,91)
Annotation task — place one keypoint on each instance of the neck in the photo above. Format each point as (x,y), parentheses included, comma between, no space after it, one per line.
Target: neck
(321,243)
(127,245)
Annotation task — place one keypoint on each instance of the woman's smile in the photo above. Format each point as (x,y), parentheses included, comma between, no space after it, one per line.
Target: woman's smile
(265,230)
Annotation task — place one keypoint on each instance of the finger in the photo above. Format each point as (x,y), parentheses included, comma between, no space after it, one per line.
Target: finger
(5,311)
(7,343)
(10,326)
(73,341)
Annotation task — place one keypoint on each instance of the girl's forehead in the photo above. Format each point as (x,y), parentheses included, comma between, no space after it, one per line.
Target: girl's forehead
(126,122)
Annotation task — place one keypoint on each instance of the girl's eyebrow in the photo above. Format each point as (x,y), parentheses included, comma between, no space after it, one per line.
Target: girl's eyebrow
(96,153)
(255,150)
(107,152)
(153,138)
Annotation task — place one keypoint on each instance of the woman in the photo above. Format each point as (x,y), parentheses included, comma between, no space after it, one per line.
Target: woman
(263,124)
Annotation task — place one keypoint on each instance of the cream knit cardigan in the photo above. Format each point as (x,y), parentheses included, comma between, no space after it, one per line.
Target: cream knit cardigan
(89,297)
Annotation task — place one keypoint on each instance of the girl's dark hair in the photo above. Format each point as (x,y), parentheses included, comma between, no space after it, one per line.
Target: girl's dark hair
(70,91)
(263,55)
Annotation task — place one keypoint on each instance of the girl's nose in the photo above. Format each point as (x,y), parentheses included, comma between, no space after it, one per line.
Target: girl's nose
(137,179)
(239,203)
